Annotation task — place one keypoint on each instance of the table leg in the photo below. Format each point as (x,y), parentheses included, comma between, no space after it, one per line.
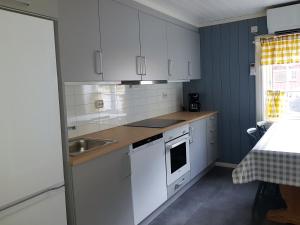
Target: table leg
(291,214)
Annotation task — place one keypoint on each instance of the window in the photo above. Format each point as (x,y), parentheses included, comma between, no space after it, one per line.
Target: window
(278,77)
(282,90)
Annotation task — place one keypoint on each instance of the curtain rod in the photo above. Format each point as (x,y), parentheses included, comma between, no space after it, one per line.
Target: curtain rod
(258,37)
(265,36)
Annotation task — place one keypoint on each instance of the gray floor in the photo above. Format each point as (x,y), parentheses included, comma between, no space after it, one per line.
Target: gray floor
(214,200)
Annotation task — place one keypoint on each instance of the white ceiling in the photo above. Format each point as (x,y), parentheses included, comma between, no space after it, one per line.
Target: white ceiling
(208,12)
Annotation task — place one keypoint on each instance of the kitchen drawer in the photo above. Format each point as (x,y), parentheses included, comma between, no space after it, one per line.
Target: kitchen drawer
(212,122)
(178,184)
(211,134)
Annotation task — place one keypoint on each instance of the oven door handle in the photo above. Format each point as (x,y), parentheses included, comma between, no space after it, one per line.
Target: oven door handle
(169,147)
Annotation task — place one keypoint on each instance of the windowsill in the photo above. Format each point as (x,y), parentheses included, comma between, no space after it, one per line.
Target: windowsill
(290,116)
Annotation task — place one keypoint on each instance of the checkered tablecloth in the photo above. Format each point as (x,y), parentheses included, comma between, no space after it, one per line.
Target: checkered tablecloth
(275,158)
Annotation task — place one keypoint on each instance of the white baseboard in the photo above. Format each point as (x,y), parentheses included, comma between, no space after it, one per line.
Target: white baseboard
(227,165)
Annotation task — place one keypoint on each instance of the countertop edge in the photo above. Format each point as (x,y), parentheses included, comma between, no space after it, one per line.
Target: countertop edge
(81,159)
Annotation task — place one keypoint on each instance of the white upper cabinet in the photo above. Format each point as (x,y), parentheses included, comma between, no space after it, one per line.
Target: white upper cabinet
(41,7)
(79,38)
(193,40)
(107,40)
(177,52)
(183,53)
(154,47)
(119,25)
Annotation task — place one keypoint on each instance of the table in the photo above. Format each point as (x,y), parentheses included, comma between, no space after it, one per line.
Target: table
(276,159)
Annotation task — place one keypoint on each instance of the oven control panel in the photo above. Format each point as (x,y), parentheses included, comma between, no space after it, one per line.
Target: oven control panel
(175,133)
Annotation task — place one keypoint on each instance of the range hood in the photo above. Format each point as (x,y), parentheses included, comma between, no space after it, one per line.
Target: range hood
(128,82)
(143,82)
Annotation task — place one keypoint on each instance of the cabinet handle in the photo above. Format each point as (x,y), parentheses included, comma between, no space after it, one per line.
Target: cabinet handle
(128,173)
(137,65)
(139,69)
(179,184)
(191,135)
(71,128)
(170,65)
(144,73)
(98,59)
(189,68)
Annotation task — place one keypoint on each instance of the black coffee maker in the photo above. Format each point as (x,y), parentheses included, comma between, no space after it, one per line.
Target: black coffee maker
(194,102)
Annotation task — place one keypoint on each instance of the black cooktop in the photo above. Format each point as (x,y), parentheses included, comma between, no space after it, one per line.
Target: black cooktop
(154,123)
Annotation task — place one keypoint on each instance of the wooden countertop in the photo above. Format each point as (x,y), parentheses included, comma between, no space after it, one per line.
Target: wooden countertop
(126,136)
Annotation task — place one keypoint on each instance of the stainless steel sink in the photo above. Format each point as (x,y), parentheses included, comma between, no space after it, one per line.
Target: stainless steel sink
(82,145)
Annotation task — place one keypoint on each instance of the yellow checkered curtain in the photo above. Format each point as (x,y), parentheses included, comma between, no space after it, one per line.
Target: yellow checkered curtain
(274,104)
(281,49)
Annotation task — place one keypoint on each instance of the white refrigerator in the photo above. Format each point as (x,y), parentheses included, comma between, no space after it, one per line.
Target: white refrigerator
(31,162)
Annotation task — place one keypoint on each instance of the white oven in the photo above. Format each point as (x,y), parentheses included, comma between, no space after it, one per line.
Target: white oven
(177,153)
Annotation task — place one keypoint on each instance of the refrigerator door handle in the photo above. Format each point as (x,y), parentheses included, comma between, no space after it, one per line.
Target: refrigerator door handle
(20,201)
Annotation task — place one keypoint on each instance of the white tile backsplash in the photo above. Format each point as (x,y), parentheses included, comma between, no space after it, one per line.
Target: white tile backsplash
(122,104)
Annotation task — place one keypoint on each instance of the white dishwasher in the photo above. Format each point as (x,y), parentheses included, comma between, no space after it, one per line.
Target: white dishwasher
(149,187)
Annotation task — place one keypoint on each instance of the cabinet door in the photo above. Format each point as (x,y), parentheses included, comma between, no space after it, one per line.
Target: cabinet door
(177,52)
(194,55)
(154,47)
(79,40)
(119,40)
(198,152)
(41,7)
(212,143)
(102,190)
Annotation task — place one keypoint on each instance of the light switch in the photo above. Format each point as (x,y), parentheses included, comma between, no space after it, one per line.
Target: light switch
(254,29)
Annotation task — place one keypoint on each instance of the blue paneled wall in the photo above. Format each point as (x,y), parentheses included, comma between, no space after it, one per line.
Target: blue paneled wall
(226,53)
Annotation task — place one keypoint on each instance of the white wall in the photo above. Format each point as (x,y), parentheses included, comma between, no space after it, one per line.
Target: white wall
(122,104)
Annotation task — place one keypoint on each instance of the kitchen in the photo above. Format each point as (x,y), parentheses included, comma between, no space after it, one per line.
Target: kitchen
(149,112)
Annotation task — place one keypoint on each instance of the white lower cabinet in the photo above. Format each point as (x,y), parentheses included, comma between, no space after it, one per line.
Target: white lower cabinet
(203,144)
(126,186)
(198,149)
(149,188)
(102,190)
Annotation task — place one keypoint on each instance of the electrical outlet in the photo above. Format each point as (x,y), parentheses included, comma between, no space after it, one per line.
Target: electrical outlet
(164,94)
(99,104)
